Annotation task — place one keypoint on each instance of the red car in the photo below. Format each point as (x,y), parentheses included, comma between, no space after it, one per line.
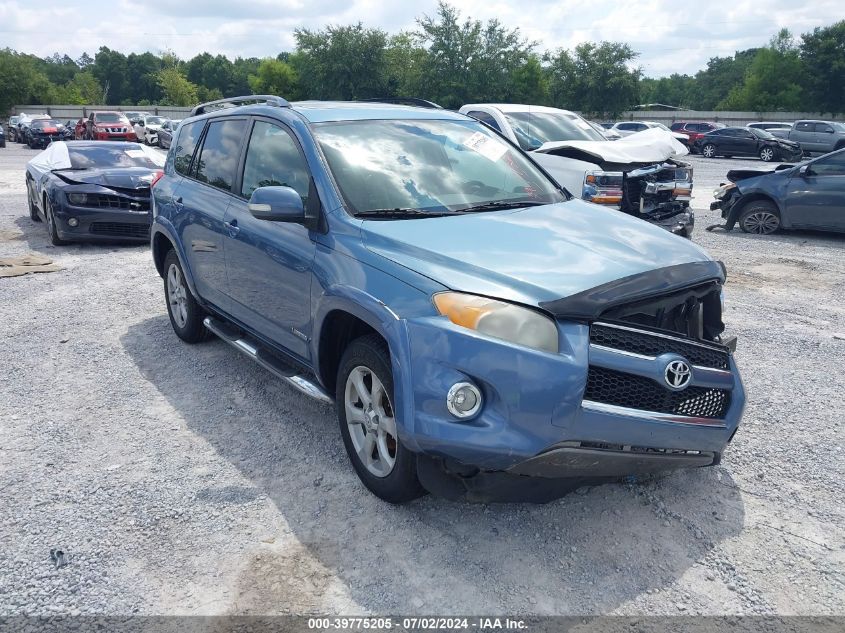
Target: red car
(694,129)
(105,125)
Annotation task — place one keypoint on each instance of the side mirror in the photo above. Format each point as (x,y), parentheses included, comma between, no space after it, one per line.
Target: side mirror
(804,171)
(277,204)
(141,123)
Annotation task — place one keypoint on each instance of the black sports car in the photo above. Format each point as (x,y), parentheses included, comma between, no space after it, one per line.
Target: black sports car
(743,141)
(806,196)
(42,132)
(92,191)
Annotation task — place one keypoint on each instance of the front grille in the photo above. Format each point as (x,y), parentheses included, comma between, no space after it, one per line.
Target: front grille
(120,229)
(637,392)
(108,201)
(647,344)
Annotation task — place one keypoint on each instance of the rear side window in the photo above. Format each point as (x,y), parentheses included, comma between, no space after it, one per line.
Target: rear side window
(273,160)
(676,127)
(217,161)
(185,146)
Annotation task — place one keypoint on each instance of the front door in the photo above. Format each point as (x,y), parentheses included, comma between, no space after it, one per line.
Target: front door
(269,263)
(817,199)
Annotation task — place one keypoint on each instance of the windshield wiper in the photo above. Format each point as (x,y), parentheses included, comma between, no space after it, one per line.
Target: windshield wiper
(498,205)
(399,212)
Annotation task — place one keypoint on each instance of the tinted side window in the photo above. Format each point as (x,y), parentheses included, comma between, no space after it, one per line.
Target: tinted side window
(823,127)
(830,165)
(185,146)
(486,118)
(676,126)
(273,160)
(217,162)
(804,127)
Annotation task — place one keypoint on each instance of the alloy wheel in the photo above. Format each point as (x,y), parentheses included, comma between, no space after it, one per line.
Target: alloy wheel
(767,154)
(761,222)
(371,421)
(177,296)
(709,151)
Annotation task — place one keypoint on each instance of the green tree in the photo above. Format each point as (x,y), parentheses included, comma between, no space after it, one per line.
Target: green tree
(713,84)
(772,81)
(343,62)
(275,77)
(111,70)
(83,89)
(595,78)
(143,69)
(406,61)
(176,89)
(675,90)
(823,54)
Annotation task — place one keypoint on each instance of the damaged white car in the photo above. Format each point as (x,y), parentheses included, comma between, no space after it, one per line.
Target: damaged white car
(640,174)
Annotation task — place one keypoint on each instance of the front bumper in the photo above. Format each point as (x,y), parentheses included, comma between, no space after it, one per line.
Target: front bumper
(99,225)
(114,136)
(535,419)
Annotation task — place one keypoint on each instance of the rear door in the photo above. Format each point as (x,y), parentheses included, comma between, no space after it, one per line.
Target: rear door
(269,263)
(817,199)
(804,133)
(204,197)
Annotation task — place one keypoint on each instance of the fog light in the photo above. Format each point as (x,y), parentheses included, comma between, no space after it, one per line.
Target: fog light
(73,222)
(463,400)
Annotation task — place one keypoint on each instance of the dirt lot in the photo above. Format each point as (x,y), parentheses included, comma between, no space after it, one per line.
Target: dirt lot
(186,480)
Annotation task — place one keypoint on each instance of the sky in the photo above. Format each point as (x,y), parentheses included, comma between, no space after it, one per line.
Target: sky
(671,36)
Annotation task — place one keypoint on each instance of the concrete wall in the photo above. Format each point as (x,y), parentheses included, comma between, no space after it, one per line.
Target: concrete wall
(64,112)
(668,117)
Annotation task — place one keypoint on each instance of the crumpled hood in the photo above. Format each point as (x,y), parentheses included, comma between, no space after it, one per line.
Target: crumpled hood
(119,177)
(649,146)
(530,255)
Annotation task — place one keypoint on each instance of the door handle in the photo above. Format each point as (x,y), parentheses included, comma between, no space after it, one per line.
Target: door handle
(232,228)
(177,203)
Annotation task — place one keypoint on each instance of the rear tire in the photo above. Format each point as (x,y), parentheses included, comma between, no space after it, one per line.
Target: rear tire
(364,399)
(186,315)
(709,151)
(761,217)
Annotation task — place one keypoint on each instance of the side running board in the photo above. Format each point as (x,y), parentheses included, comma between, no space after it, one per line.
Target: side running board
(269,361)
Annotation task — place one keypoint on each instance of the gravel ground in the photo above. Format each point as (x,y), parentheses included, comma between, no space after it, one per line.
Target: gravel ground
(186,480)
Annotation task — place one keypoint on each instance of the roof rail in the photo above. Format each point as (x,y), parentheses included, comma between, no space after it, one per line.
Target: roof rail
(409,101)
(271,100)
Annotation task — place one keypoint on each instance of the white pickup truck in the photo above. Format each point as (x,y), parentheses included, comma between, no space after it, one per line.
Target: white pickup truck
(639,174)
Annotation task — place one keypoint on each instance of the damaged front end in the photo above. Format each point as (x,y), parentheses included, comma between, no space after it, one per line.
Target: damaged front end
(659,193)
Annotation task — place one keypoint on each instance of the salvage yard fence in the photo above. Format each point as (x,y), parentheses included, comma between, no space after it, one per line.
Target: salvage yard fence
(667,117)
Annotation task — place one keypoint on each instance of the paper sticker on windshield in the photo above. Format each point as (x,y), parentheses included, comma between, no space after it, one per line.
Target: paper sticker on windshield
(136,153)
(488,147)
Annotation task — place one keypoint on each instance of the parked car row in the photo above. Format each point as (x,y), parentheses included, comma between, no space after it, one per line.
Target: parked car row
(40,130)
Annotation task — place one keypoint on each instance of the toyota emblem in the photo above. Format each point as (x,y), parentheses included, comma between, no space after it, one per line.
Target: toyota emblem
(677,375)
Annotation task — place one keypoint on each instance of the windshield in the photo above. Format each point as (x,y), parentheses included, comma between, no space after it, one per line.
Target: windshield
(532,129)
(429,166)
(155,120)
(109,117)
(99,156)
(41,123)
(761,133)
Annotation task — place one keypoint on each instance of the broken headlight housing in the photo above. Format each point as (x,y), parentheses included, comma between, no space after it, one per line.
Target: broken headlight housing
(723,190)
(603,187)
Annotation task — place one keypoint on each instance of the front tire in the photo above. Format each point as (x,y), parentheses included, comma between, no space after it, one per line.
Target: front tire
(709,151)
(186,315)
(52,229)
(364,397)
(33,210)
(761,217)
(767,154)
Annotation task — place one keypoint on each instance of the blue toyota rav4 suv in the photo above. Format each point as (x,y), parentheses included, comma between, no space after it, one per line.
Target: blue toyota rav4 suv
(476,326)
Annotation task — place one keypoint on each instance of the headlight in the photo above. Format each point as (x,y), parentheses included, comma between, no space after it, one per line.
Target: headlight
(506,321)
(77,198)
(722,191)
(603,187)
